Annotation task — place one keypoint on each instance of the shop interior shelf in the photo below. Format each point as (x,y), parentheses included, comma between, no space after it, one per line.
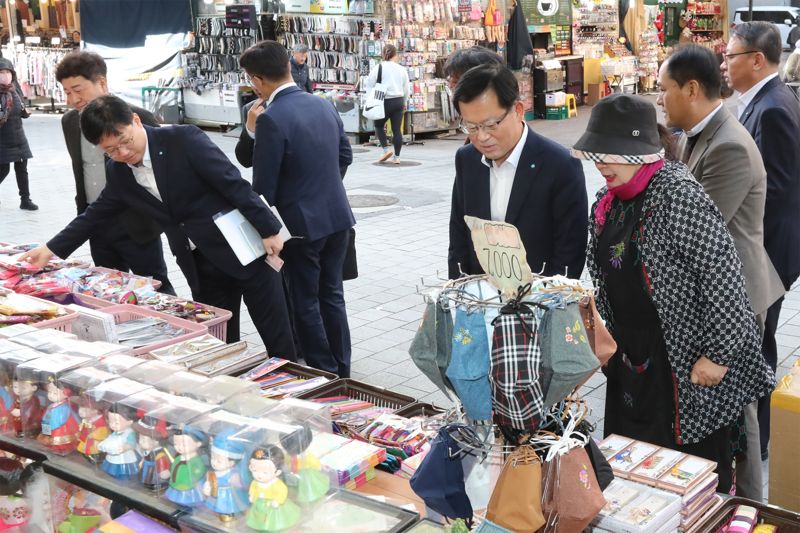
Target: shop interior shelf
(361,391)
(786,521)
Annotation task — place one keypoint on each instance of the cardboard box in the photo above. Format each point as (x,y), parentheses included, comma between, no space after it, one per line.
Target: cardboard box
(784,441)
(555,99)
(595,93)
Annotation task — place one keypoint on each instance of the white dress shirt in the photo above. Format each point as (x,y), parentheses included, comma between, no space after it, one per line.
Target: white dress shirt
(94,170)
(747,97)
(700,126)
(501,178)
(143,173)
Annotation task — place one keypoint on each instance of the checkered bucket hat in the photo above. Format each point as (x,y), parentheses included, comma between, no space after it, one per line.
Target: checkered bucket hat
(622,129)
(517,397)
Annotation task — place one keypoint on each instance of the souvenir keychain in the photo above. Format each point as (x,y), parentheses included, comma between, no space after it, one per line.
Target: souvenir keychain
(121,460)
(60,424)
(224,489)
(92,430)
(312,483)
(156,461)
(188,469)
(271,509)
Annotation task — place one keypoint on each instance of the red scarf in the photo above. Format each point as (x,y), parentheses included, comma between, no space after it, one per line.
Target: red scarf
(626,191)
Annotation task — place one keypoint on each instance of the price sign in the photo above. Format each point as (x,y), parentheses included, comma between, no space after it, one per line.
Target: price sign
(500,253)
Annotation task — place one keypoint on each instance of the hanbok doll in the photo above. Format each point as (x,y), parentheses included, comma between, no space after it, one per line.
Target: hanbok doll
(271,509)
(156,460)
(121,460)
(224,489)
(59,422)
(92,430)
(312,483)
(188,470)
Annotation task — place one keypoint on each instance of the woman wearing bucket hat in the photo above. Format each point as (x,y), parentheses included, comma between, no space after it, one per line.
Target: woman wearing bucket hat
(670,287)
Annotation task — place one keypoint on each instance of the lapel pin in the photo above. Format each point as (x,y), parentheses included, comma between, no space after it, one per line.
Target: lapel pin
(533,165)
(160,153)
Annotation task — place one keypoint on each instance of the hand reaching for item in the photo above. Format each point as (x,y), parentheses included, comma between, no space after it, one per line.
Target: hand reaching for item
(706,373)
(38,257)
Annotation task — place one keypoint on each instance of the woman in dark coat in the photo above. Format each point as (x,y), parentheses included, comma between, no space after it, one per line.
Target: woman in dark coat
(670,287)
(13,144)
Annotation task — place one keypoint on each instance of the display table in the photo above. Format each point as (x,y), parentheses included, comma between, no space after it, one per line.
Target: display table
(395,488)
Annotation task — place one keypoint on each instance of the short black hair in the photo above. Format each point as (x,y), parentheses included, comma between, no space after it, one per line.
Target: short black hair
(87,64)
(478,79)
(694,62)
(105,116)
(464,59)
(266,59)
(762,37)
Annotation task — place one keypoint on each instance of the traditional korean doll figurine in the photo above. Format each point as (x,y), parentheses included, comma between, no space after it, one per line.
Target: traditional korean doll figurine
(224,489)
(121,460)
(188,469)
(92,430)
(60,424)
(14,509)
(312,483)
(156,461)
(271,509)
(26,413)
(6,403)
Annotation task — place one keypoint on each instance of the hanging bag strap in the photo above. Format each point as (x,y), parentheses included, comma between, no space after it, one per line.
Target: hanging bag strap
(380,73)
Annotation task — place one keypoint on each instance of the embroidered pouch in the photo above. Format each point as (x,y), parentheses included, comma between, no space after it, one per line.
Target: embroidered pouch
(567,358)
(603,344)
(572,496)
(469,364)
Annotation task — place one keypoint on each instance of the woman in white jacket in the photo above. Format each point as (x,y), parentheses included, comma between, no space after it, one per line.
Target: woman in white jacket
(395,78)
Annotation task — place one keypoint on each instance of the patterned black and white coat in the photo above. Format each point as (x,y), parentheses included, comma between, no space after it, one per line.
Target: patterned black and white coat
(695,279)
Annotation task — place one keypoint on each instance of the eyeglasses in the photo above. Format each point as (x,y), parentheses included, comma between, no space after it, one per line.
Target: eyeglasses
(488,126)
(124,143)
(728,56)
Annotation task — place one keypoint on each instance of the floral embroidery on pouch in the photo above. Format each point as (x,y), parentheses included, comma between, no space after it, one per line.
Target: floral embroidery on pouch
(617,252)
(574,334)
(584,477)
(463,336)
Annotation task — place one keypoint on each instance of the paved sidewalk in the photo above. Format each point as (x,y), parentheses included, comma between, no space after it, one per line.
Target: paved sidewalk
(398,246)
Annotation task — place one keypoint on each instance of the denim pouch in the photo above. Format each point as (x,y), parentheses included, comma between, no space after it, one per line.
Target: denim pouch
(469,364)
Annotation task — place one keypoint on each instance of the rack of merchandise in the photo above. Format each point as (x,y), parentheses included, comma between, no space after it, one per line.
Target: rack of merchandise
(707,22)
(594,24)
(648,59)
(340,48)
(213,83)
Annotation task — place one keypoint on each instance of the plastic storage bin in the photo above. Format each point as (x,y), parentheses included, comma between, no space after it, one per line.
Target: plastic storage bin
(125,313)
(379,396)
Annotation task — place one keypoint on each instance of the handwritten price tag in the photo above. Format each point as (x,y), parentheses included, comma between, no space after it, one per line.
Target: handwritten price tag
(500,253)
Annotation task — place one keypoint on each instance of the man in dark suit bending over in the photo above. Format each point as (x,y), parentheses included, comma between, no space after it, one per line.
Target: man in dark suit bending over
(509,173)
(179,178)
(133,242)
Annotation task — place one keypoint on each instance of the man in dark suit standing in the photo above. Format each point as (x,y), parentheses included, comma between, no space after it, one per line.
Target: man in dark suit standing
(771,113)
(134,242)
(179,178)
(511,174)
(300,145)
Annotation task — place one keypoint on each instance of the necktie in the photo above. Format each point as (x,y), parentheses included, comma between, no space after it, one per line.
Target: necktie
(691,142)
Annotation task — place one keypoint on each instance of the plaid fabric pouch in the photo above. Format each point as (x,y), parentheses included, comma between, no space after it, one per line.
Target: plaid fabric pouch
(517,397)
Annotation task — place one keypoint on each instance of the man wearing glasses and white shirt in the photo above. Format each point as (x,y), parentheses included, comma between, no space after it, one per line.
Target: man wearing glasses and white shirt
(509,173)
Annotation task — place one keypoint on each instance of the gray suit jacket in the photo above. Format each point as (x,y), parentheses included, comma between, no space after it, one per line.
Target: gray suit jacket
(728,165)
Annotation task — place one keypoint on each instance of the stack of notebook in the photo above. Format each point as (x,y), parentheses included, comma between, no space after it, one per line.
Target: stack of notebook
(691,478)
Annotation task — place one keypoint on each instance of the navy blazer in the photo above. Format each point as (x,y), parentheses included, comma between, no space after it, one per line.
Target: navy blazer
(548,205)
(196,181)
(300,146)
(773,119)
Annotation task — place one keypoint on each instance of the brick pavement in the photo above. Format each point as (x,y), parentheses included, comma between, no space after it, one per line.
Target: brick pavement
(397,246)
